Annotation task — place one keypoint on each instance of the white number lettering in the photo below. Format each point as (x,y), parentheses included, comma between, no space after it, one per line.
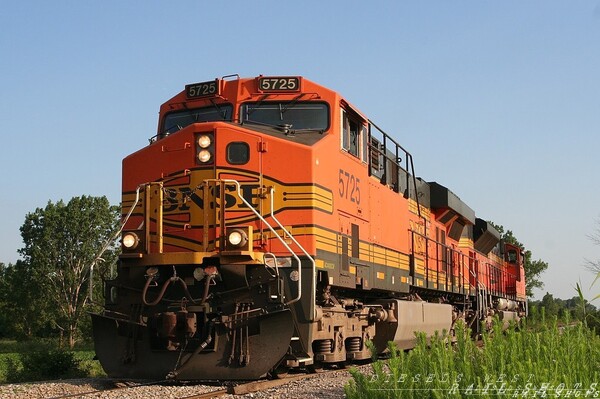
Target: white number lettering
(292,84)
(278,84)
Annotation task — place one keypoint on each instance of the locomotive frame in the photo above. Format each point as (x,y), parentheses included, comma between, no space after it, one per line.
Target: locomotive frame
(271,225)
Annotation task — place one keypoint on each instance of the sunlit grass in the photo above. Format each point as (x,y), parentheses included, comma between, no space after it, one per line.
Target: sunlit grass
(513,363)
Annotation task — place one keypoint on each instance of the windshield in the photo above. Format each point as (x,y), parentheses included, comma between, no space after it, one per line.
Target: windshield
(300,115)
(175,121)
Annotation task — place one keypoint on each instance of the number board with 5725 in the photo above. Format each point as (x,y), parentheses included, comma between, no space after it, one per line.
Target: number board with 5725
(203,89)
(280,84)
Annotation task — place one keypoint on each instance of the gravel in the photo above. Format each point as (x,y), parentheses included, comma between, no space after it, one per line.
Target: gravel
(53,389)
(320,386)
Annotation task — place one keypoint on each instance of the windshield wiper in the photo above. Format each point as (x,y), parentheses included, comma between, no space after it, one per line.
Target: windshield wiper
(283,127)
(167,130)
(307,130)
(290,105)
(219,110)
(286,128)
(256,106)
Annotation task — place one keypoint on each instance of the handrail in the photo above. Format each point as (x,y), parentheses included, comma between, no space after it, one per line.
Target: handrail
(409,162)
(239,193)
(110,241)
(484,298)
(246,203)
(450,252)
(312,260)
(271,255)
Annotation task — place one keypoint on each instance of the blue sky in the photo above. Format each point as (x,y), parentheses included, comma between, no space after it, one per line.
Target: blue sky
(499,101)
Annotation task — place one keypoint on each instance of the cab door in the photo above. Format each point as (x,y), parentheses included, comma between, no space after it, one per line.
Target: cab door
(512,256)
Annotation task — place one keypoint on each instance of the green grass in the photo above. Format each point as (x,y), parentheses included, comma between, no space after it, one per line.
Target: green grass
(510,364)
(4,359)
(16,361)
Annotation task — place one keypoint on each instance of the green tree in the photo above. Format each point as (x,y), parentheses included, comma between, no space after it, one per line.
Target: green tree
(63,242)
(533,268)
(4,319)
(24,310)
(551,306)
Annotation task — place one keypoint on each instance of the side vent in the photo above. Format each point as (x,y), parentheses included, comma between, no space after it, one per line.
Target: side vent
(485,236)
(450,210)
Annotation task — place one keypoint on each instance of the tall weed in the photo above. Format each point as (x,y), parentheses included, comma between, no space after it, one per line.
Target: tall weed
(545,362)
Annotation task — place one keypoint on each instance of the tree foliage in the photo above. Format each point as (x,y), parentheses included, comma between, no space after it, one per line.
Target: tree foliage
(575,308)
(25,312)
(62,244)
(533,268)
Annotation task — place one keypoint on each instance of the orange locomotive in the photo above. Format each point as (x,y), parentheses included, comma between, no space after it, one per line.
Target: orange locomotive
(270,225)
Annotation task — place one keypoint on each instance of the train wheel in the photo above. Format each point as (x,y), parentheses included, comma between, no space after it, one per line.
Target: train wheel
(317,367)
(341,365)
(281,371)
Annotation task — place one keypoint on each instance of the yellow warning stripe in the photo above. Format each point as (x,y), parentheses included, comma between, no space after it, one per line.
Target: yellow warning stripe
(412,207)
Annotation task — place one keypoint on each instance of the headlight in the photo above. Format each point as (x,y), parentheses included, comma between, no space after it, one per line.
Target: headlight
(204,141)
(130,240)
(237,238)
(204,156)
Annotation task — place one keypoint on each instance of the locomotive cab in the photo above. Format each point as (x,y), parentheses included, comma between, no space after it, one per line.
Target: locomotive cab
(207,271)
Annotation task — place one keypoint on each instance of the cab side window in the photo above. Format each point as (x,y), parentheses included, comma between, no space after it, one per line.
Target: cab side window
(511,256)
(354,135)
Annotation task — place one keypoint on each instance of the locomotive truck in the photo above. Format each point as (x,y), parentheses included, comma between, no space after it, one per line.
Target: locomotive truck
(270,225)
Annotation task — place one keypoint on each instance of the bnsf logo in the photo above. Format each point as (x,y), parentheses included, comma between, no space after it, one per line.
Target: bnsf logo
(173,198)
